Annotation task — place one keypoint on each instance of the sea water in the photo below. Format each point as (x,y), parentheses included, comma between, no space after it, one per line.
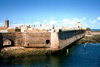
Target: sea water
(80,55)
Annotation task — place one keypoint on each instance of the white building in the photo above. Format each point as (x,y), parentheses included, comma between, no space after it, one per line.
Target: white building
(78,25)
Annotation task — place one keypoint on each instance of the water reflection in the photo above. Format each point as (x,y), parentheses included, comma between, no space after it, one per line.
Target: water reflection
(85,46)
(77,57)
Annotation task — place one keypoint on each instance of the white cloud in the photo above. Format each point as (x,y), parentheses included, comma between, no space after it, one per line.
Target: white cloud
(98,18)
(70,22)
(36,23)
(65,23)
(52,18)
(93,21)
(85,24)
(17,24)
(53,22)
(1,24)
(45,21)
(84,18)
(74,19)
(73,22)
(27,23)
(66,20)
(80,20)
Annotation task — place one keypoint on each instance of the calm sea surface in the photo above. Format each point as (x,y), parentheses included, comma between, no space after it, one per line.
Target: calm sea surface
(81,55)
(95,29)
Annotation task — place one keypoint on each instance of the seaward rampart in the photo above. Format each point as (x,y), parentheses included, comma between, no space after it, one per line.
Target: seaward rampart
(52,40)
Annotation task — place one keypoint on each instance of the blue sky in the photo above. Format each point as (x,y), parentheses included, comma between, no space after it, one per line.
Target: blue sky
(50,12)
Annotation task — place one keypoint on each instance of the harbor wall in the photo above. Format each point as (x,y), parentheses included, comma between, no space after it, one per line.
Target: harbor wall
(53,40)
(63,39)
(27,39)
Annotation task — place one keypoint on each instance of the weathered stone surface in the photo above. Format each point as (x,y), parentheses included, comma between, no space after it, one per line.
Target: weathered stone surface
(56,40)
(61,39)
(25,39)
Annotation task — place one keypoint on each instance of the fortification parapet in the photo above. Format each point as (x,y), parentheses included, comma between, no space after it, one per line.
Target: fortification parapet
(53,40)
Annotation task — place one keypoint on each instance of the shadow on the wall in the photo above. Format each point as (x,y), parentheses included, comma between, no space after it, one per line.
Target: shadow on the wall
(2,41)
(12,44)
(7,46)
(69,33)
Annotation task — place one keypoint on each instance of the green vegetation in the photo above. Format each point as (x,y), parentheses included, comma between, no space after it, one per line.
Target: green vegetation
(28,52)
(22,53)
(89,39)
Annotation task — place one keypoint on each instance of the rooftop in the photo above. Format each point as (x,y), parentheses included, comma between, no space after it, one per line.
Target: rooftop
(2,27)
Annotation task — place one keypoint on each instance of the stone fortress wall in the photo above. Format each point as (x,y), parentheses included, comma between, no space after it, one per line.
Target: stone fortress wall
(26,39)
(64,38)
(54,40)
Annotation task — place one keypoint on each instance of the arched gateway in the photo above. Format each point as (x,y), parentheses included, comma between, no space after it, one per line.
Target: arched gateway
(7,42)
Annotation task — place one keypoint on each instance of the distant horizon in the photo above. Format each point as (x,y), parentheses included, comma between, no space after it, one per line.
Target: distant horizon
(95,29)
(50,12)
